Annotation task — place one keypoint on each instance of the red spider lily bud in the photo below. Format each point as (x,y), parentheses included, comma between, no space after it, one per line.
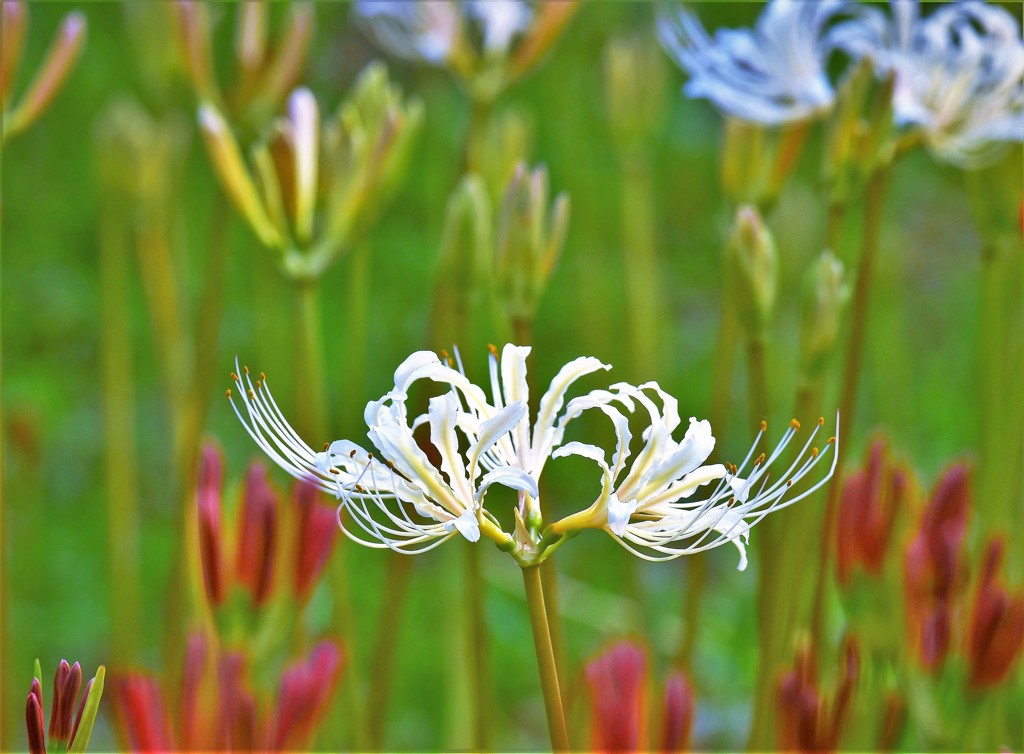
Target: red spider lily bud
(677,719)
(996,633)
(617,681)
(191,679)
(34,720)
(257,534)
(81,711)
(12,34)
(304,694)
(804,720)
(237,707)
(142,715)
(208,505)
(317,531)
(66,685)
(934,565)
(871,500)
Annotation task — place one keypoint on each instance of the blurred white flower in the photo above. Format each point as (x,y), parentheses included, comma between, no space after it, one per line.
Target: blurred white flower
(959,75)
(430,30)
(772,74)
(649,507)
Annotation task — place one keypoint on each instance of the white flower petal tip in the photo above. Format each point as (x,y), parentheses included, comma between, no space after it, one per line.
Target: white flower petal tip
(773,74)
(619,514)
(467,526)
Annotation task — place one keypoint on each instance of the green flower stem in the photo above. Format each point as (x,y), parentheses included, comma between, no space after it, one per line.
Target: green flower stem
(874,206)
(1000,453)
(545,658)
(718,414)
(643,292)
(311,403)
(358,330)
(397,579)
(5,647)
(479,676)
(768,582)
(119,434)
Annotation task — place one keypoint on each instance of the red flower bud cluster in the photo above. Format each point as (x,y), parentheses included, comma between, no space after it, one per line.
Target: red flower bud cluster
(618,680)
(219,710)
(996,633)
(935,566)
(64,721)
(258,544)
(871,501)
(808,721)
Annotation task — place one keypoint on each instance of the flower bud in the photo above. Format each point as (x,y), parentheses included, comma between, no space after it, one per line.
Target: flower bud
(752,265)
(996,633)
(192,671)
(194,36)
(934,566)
(756,160)
(51,75)
(548,25)
(824,298)
(871,499)
(208,508)
(677,716)
(617,680)
(12,34)
(303,696)
(494,151)
(141,713)
(257,535)
(34,721)
(807,720)
(314,539)
(529,241)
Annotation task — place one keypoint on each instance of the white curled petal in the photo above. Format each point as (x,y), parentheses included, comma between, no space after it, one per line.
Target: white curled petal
(415,362)
(492,430)
(552,400)
(466,524)
(508,476)
(619,514)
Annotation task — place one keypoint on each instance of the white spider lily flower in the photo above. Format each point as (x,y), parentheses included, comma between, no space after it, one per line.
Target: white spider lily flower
(959,75)
(773,74)
(396,499)
(430,30)
(650,508)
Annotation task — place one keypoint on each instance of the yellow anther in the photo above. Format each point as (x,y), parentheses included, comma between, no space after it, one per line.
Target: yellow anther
(831,441)
(234,377)
(326,445)
(263,376)
(252,395)
(228,392)
(764,426)
(821,421)
(794,424)
(814,452)
(246,369)
(493,349)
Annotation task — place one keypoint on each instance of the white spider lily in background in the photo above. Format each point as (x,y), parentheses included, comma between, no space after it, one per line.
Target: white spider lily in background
(650,508)
(772,74)
(959,74)
(429,31)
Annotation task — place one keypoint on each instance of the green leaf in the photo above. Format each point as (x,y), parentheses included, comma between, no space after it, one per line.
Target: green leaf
(92,706)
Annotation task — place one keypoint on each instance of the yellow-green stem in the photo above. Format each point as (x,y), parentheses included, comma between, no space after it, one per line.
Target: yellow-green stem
(5,744)
(398,572)
(767,573)
(874,205)
(119,435)
(545,659)
(643,293)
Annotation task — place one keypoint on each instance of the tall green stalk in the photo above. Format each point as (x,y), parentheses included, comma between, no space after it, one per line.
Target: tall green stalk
(4,549)
(874,205)
(119,434)
(311,404)
(545,659)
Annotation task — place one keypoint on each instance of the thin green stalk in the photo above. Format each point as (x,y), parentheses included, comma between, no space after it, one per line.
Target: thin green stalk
(768,585)
(874,205)
(545,659)
(310,372)
(643,292)
(119,434)
(358,331)
(397,579)
(4,549)
(718,414)
(476,618)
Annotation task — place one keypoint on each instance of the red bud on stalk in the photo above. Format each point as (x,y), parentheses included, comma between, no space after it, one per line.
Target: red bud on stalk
(996,634)
(317,531)
(142,714)
(677,718)
(257,534)
(804,720)
(208,505)
(934,565)
(191,680)
(34,720)
(617,680)
(306,687)
(871,500)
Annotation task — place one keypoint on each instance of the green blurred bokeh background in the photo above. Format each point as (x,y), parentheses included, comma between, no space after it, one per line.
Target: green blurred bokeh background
(921,361)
